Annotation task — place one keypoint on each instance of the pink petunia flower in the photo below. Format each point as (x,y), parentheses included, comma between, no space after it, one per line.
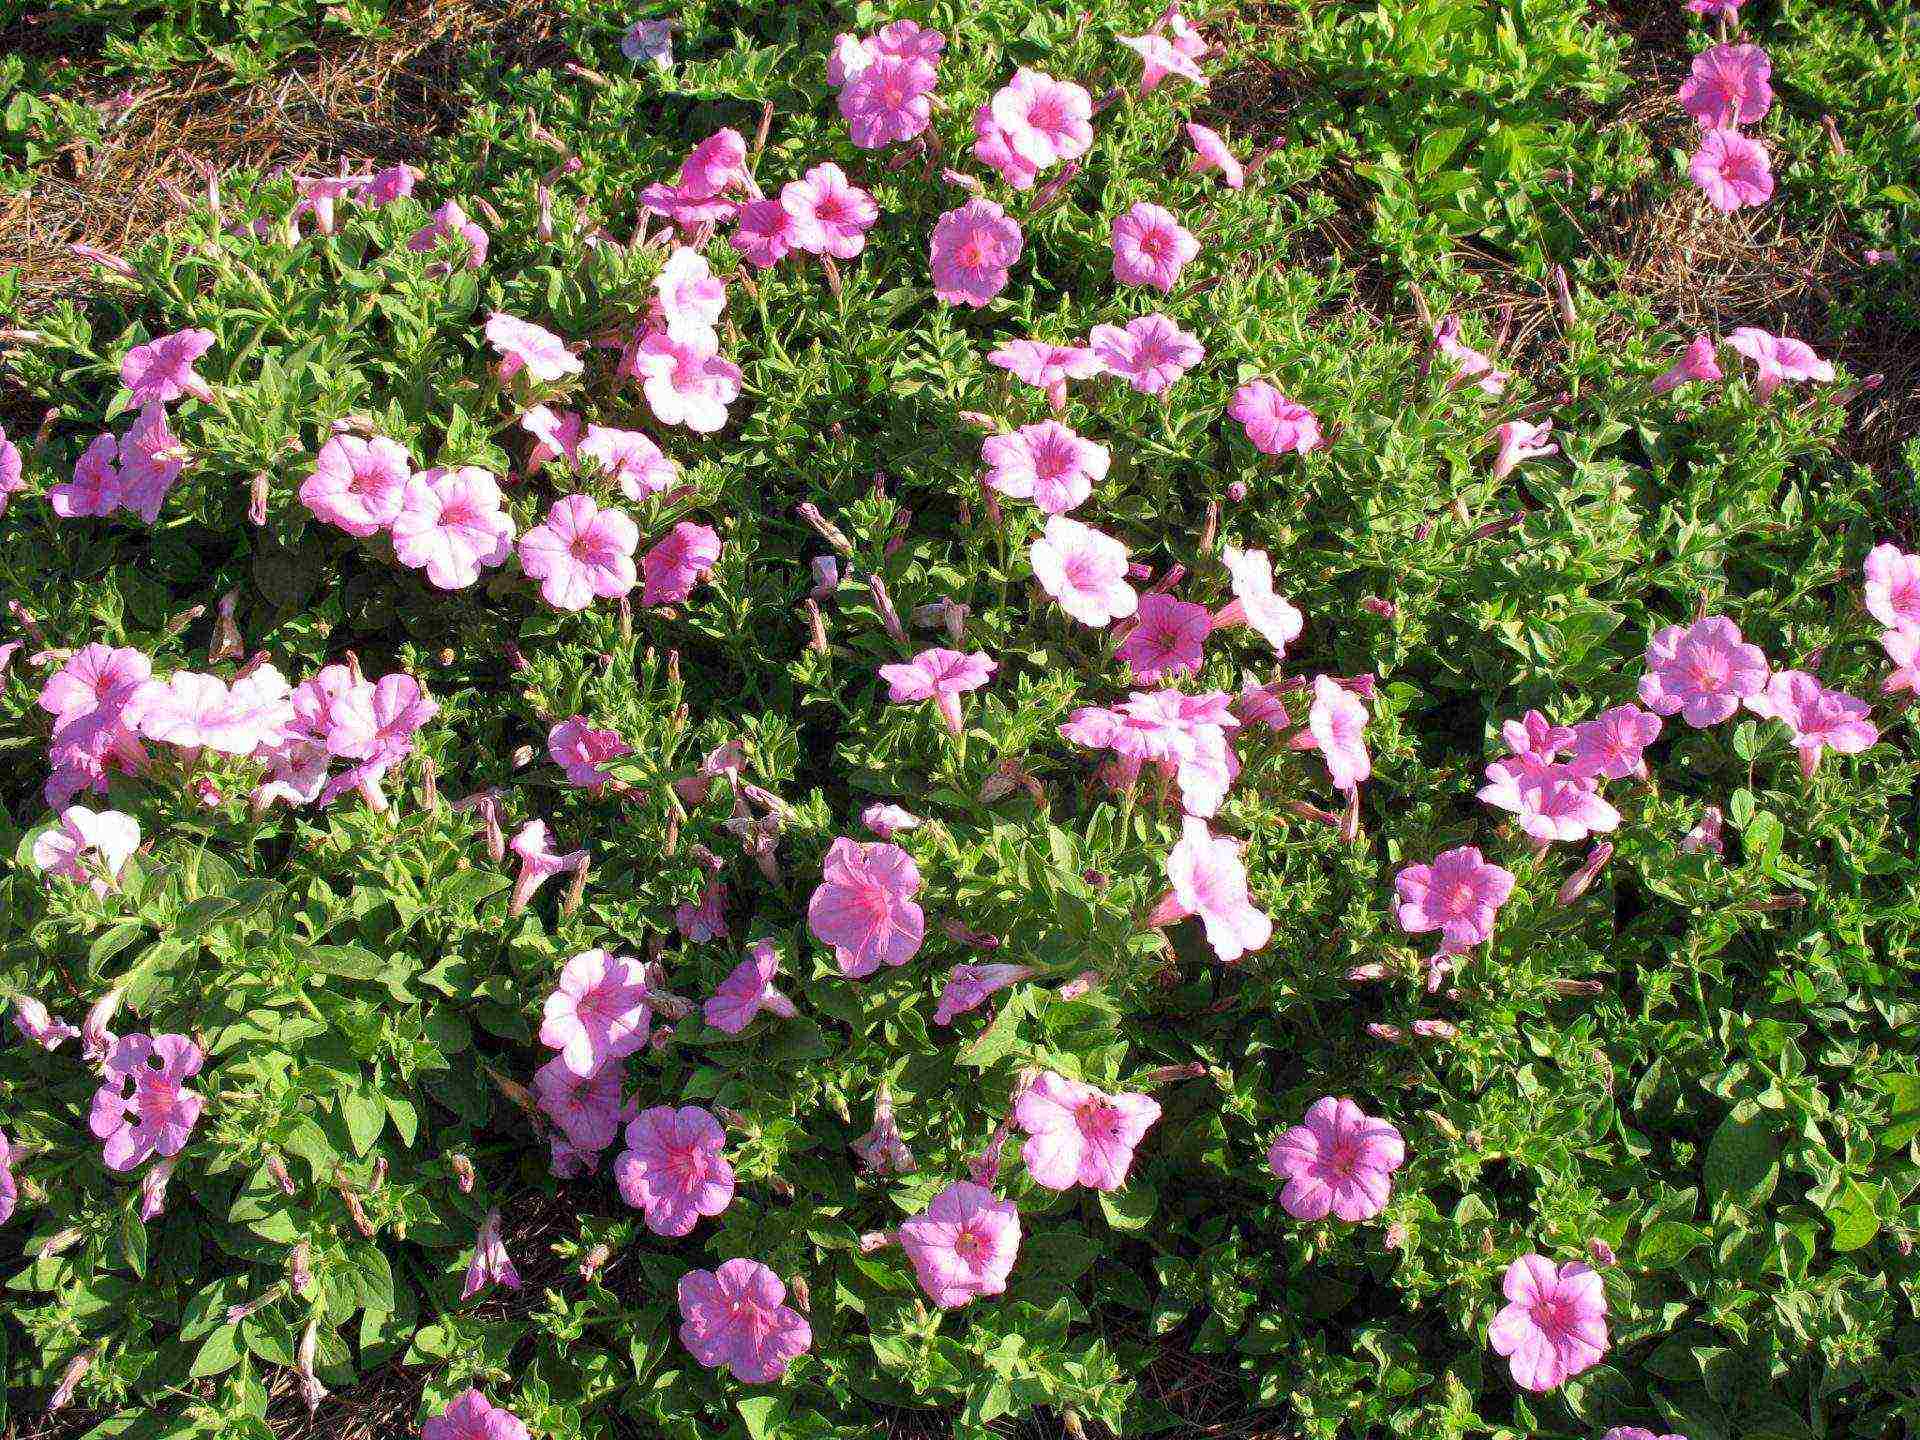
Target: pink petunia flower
(1210,152)
(888,101)
(687,210)
(1254,602)
(973,249)
(1892,588)
(1636,1432)
(963,1244)
(96,487)
(679,562)
(1085,571)
(1729,9)
(189,709)
(450,221)
(690,299)
(1210,881)
(1554,1324)
(143,1107)
(151,460)
(598,1010)
(1551,803)
(733,1316)
(747,990)
(469,1417)
(1777,358)
(582,751)
(684,384)
(1701,672)
(1468,363)
(1697,362)
(451,525)
(1613,744)
(1159,58)
(764,234)
(378,722)
(1728,87)
(1275,424)
(1902,648)
(1820,719)
(993,147)
(585,1107)
(1458,895)
(490,1265)
(630,459)
(1167,637)
(111,836)
(1046,367)
(581,553)
(32,1019)
(97,678)
(1337,721)
(941,676)
(556,435)
(672,1169)
(706,920)
(522,345)
(830,214)
(863,907)
(358,484)
(887,821)
(970,986)
(9,1188)
(1522,440)
(161,371)
(1150,352)
(1045,121)
(12,468)
(533,847)
(1338,1160)
(1079,1135)
(1151,247)
(1731,170)
(717,163)
(1047,463)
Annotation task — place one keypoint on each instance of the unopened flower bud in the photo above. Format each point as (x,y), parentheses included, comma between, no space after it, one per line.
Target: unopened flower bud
(1578,883)
(70,1382)
(1436,1029)
(1601,1252)
(300,1268)
(889,617)
(825,529)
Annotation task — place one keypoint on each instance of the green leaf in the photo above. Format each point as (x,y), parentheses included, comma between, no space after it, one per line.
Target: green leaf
(1743,1157)
(1131,1208)
(1904,1123)
(219,1353)
(1667,1242)
(366,1117)
(1852,1216)
(763,1415)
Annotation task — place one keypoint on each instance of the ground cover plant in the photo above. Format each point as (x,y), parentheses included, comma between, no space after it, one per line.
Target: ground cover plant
(980,719)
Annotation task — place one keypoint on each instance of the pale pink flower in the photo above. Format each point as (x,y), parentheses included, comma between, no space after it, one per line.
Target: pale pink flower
(9,1188)
(1275,424)
(451,525)
(161,371)
(676,564)
(1555,1322)
(96,487)
(764,235)
(586,1107)
(691,299)
(11,470)
(386,185)
(1522,440)
(1209,880)
(1150,352)
(1731,170)
(1210,152)
(97,678)
(1085,571)
(941,676)
(733,1316)
(1046,367)
(1892,588)
(581,553)
(1702,671)
(1262,705)
(470,1417)
(34,1021)
(143,1107)
(582,751)
(490,1264)
(963,1244)
(629,458)
(863,907)
(687,210)
(1458,895)
(970,986)
(686,385)
(1729,9)
(522,345)
(650,41)
(1338,1160)
(1706,835)
(1697,362)
(556,435)
(108,834)
(1903,653)
(1079,1135)
(706,920)
(539,861)
(378,722)
(1777,358)
(1728,86)
(451,221)
(1551,802)
(830,214)
(1820,719)
(1167,637)
(358,484)
(1151,247)
(1337,721)
(973,248)
(993,148)
(1636,1432)
(887,821)
(1468,363)
(1045,121)
(1159,58)
(1047,463)
(672,1169)
(190,709)
(889,100)
(1254,602)
(598,1010)
(747,990)
(1535,738)
(1613,744)
(151,460)
(847,57)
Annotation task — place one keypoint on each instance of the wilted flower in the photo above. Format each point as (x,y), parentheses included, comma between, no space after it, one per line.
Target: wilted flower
(1077,1134)
(733,1316)
(1161,57)
(490,1263)
(1522,440)
(963,1245)
(153,1188)
(1468,363)
(9,1188)
(969,987)
(32,1019)
(1339,1160)
(1555,1322)
(886,821)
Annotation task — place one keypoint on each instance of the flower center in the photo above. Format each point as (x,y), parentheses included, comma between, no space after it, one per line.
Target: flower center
(970,1246)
